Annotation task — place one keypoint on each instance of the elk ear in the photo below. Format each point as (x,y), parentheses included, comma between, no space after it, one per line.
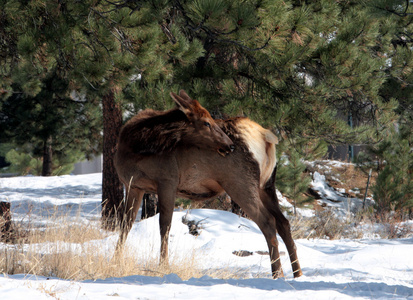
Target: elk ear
(184,95)
(183,101)
(271,137)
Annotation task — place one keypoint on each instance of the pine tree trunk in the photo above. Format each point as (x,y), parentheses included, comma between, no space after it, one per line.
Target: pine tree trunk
(47,157)
(149,206)
(112,189)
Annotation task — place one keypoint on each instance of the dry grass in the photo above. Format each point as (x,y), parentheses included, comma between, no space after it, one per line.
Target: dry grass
(57,250)
(73,251)
(387,226)
(324,225)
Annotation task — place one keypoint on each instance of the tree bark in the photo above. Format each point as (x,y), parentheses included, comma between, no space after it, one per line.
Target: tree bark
(112,189)
(47,157)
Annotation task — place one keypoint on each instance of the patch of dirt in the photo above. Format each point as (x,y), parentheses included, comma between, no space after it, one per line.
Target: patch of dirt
(344,177)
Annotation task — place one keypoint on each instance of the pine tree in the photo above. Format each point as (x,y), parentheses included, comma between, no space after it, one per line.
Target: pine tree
(392,150)
(291,180)
(291,65)
(97,47)
(393,190)
(294,66)
(49,127)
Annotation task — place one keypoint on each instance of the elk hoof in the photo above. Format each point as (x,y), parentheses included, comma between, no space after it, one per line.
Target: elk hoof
(298,273)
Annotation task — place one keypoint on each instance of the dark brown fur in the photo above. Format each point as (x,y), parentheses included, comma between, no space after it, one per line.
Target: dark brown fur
(154,132)
(190,166)
(157,132)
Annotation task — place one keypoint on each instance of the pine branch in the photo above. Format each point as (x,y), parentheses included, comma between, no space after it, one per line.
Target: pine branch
(393,11)
(240,45)
(132,5)
(215,35)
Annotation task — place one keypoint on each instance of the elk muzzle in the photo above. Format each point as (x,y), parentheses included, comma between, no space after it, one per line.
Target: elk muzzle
(223,143)
(223,152)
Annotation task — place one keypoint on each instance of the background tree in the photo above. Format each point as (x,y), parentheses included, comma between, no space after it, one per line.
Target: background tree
(393,159)
(76,43)
(97,47)
(391,154)
(298,67)
(52,128)
(293,180)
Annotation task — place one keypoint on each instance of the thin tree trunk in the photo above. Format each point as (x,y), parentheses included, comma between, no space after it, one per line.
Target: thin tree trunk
(6,229)
(149,206)
(236,209)
(47,157)
(112,189)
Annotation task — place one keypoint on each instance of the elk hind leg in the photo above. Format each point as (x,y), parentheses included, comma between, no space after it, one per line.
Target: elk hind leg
(269,231)
(255,209)
(283,228)
(267,224)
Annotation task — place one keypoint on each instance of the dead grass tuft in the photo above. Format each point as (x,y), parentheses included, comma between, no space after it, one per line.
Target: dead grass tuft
(73,251)
(325,225)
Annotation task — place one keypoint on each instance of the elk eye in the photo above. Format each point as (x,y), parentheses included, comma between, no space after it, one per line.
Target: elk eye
(207,124)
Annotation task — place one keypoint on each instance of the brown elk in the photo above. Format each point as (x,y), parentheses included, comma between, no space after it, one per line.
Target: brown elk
(184,152)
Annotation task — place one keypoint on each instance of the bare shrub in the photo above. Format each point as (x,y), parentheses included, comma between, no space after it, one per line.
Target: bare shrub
(388,225)
(300,227)
(325,225)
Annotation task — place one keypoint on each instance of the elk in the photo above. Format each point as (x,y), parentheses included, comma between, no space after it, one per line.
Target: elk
(185,153)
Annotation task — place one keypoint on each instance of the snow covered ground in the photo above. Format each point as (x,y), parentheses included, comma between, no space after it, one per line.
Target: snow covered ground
(333,269)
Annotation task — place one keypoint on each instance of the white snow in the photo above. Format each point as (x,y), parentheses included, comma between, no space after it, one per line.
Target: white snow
(333,269)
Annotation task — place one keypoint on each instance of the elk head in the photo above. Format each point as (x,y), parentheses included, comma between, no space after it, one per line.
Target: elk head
(204,131)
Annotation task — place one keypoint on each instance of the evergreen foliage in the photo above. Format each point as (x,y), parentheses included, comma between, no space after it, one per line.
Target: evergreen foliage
(23,163)
(298,67)
(393,190)
(68,124)
(392,150)
(288,65)
(292,179)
